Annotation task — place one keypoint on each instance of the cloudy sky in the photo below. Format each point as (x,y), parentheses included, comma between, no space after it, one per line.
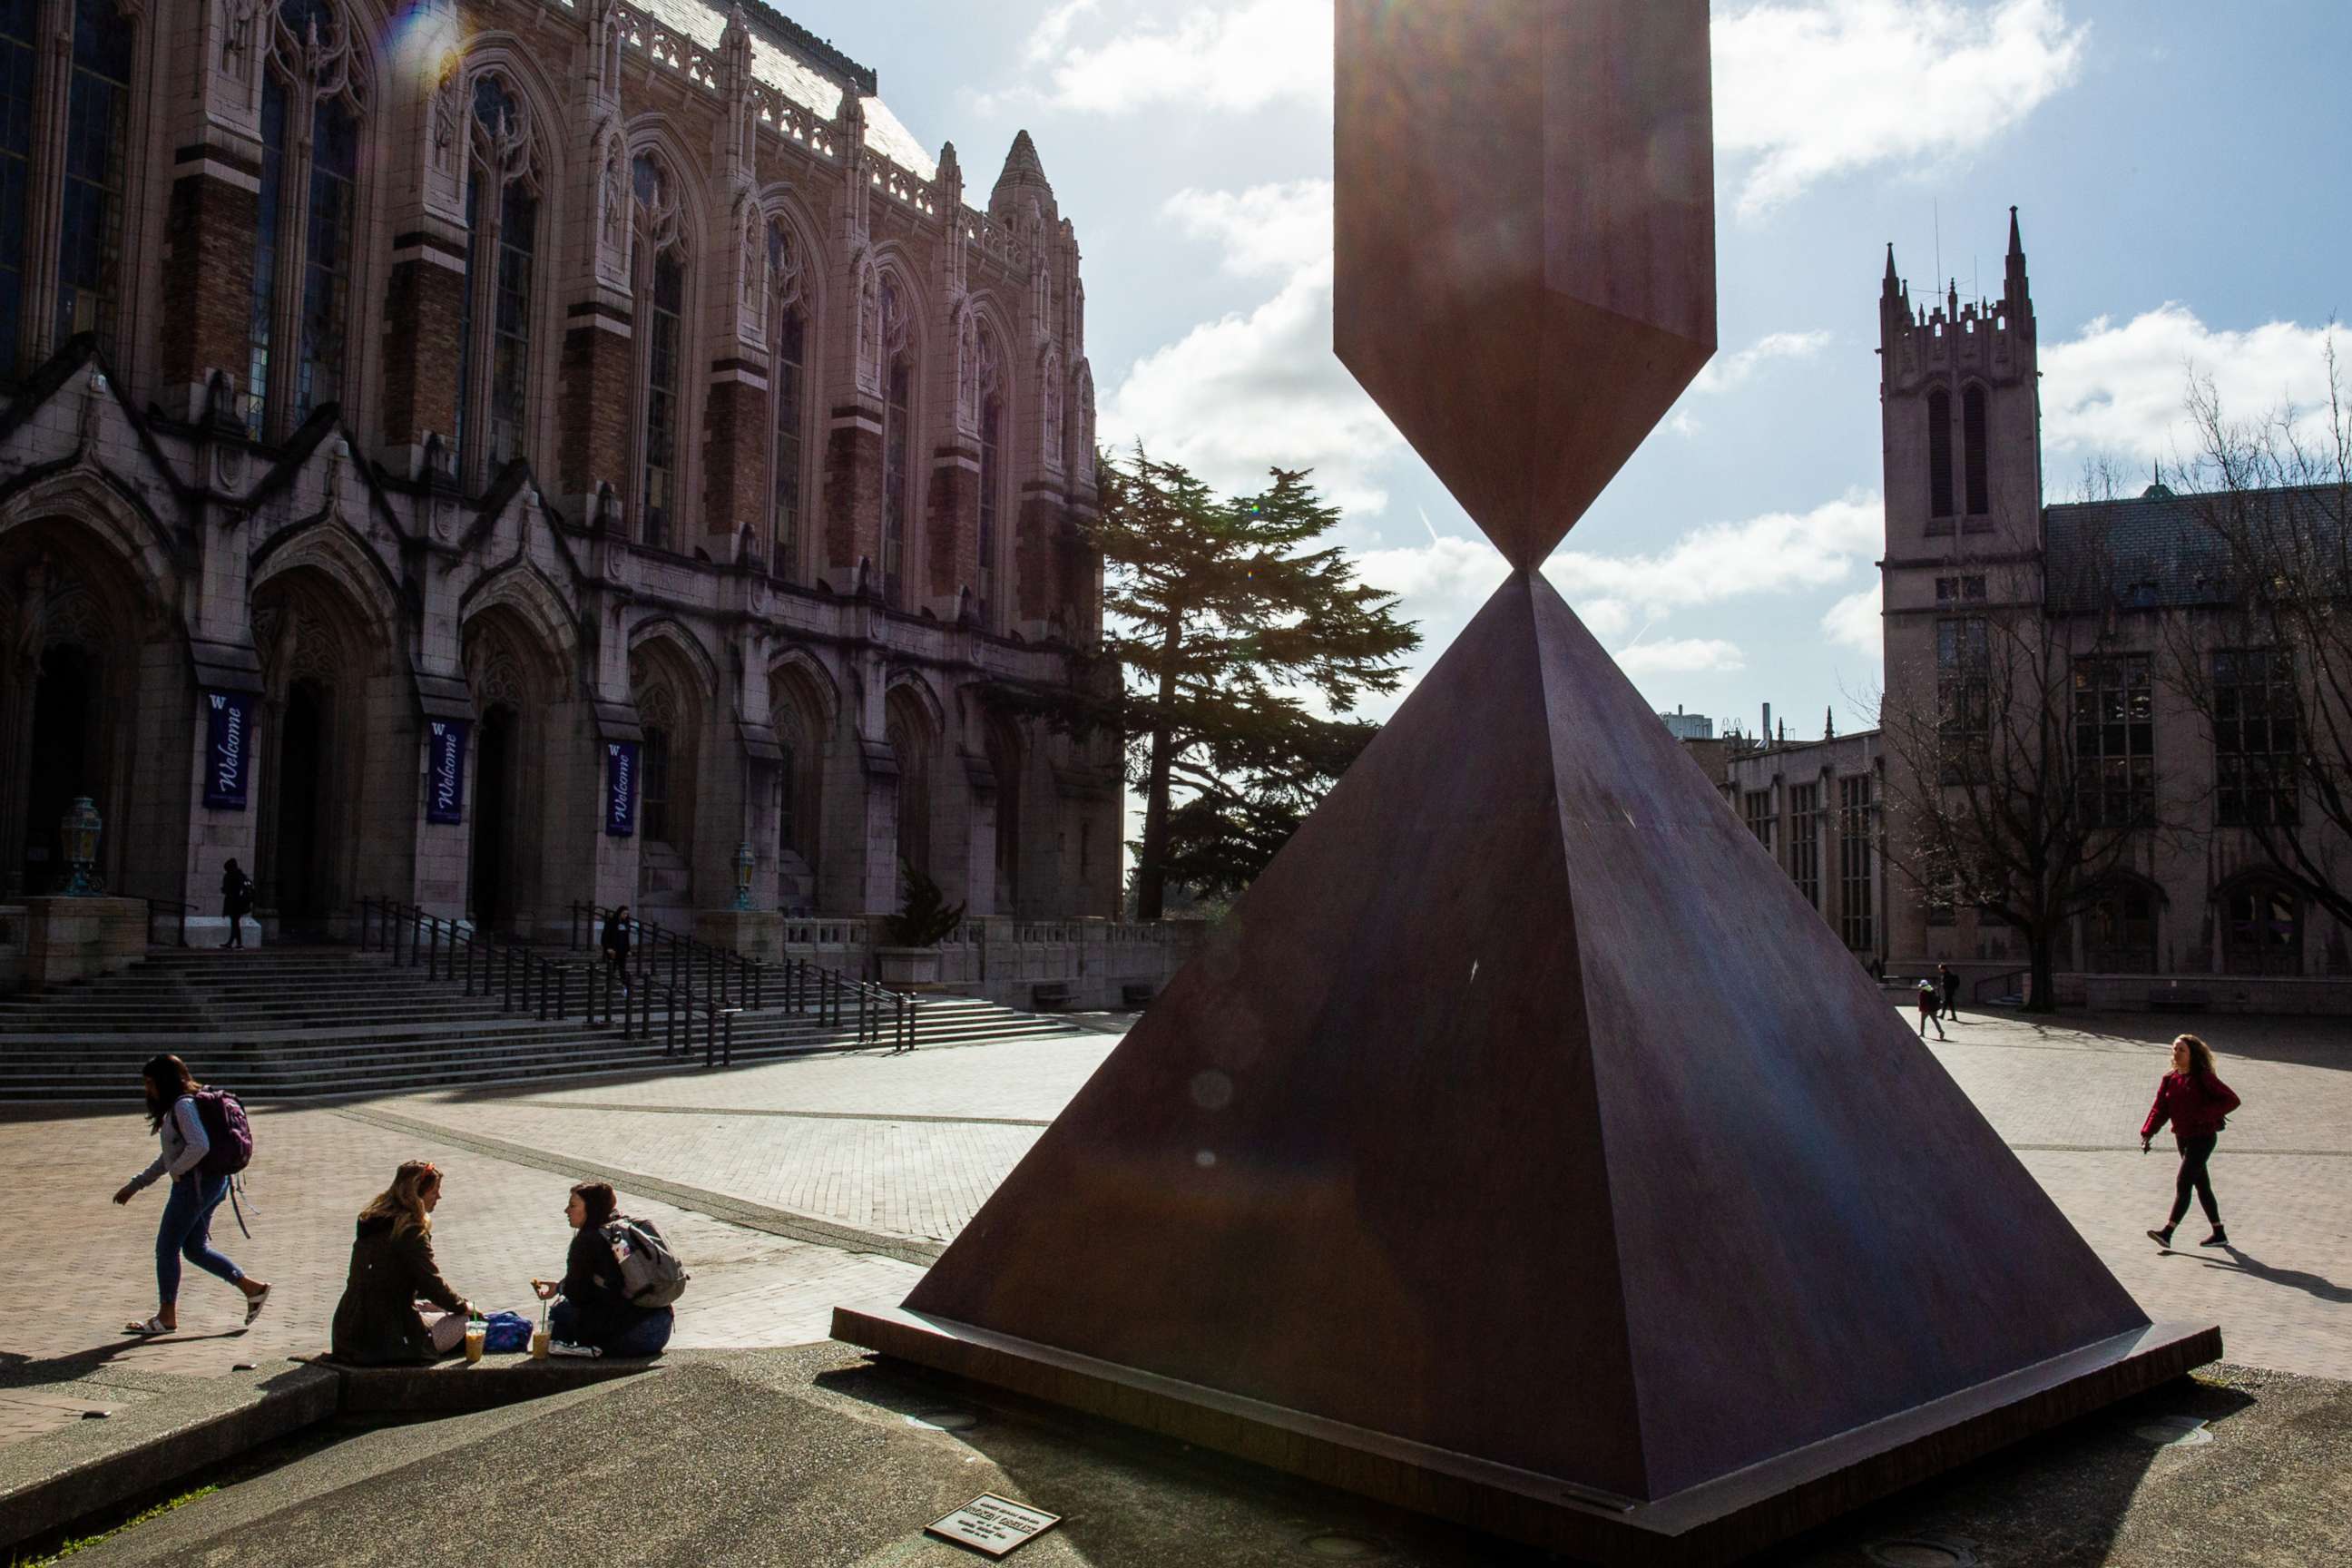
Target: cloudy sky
(2179,165)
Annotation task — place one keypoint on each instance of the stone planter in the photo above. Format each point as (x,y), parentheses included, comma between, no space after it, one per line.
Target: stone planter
(906,966)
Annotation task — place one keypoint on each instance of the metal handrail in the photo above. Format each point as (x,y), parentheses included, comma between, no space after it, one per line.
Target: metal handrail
(174,905)
(731,982)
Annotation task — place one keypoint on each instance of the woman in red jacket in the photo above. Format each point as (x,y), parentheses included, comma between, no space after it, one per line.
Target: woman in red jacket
(2193,1097)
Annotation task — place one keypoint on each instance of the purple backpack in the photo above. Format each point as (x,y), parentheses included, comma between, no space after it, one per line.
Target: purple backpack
(226,1130)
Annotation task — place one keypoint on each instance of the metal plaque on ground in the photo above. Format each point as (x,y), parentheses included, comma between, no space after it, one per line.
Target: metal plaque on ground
(992,1525)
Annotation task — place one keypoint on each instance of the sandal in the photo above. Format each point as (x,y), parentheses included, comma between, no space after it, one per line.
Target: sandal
(149,1328)
(254,1303)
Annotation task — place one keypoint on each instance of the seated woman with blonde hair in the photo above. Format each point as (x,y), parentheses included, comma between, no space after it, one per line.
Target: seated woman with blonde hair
(392,1275)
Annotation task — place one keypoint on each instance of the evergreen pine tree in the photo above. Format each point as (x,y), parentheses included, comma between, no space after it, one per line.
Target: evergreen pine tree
(1238,635)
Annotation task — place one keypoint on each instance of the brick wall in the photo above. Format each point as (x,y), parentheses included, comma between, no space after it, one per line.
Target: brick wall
(207,278)
(594,414)
(852,510)
(951,525)
(735,467)
(425,307)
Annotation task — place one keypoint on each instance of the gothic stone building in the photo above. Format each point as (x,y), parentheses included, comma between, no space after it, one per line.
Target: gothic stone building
(1968,537)
(512,453)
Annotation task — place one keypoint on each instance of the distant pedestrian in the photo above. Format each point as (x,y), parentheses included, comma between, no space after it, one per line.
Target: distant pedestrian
(1949,984)
(2193,1097)
(616,945)
(1878,969)
(1927,1005)
(185,1230)
(237,898)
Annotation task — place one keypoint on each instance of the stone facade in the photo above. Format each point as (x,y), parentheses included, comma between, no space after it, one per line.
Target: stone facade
(469,406)
(1969,536)
(1817,807)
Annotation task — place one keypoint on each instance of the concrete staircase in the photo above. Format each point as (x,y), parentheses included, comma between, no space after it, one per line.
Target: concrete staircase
(294,1023)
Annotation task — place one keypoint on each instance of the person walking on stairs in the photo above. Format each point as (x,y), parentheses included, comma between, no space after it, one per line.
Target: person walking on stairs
(1929,1005)
(616,945)
(185,1230)
(2193,1097)
(237,898)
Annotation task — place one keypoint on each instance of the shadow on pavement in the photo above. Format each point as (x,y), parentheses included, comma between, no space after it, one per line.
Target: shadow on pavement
(2314,1285)
(26,1371)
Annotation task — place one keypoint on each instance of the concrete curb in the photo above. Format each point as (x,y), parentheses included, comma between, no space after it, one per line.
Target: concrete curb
(51,1480)
(59,1477)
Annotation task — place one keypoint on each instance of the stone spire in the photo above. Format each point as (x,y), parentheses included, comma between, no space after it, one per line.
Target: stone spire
(1023,172)
(2015,291)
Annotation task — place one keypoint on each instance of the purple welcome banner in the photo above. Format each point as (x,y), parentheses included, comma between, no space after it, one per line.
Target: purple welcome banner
(445,781)
(228,748)
(619,788)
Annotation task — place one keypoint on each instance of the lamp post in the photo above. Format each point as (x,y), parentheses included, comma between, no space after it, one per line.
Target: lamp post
(80,828)
(744,861)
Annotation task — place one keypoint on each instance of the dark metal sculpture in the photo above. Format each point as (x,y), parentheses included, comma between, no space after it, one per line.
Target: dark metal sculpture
(1524,1148)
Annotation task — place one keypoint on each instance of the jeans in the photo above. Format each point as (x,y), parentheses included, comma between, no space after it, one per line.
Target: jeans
(187,1232)
(2194,1153)
(651,1333)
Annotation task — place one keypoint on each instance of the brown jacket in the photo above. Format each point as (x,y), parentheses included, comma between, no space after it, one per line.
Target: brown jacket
(377,1321)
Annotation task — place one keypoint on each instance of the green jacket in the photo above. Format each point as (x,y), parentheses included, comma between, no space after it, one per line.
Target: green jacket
(377,1321)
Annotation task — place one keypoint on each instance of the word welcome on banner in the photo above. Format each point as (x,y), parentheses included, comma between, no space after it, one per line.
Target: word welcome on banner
(228,730)
(619,788)
(445,777)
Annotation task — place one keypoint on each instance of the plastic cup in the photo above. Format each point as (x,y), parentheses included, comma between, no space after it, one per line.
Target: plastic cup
(475,1333)
(539,1337)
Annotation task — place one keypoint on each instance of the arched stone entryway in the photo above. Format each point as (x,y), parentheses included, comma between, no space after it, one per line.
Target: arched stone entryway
(522,740)
(84,640)
(671,699)
(320,651)
(801,716)
(913,737)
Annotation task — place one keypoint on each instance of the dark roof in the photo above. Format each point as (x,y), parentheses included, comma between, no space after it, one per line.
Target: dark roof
(2160,550)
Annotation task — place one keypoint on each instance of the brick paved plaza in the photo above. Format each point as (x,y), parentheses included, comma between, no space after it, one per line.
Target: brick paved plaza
(794,1186)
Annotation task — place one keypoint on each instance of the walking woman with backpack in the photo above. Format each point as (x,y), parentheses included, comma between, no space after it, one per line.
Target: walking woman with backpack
(205,1144)
(2193,1097)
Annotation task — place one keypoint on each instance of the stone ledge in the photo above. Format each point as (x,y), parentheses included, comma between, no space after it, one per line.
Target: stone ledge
(451,1387)
(51,1480)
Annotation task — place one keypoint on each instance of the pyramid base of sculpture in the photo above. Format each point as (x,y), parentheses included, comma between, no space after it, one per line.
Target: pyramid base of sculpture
(1719,1522)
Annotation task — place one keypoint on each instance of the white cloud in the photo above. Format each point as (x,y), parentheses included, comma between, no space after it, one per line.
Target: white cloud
(1854,622)
(1808,92)
(1252,390)
(1053,30)
(1680,656)
(2122,390)
(1267,230)
(1235,56)
(1727,373)
(1773,554)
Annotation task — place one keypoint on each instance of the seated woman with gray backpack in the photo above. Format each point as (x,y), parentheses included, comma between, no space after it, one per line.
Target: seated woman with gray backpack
(619,1281)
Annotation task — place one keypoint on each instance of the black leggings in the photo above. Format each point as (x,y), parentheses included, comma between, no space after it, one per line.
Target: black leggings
(2194,1153)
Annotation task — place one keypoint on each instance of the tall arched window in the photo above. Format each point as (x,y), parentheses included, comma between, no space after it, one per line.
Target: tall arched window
(657,278)
(1972,449)
(991,470)
(98,135)
(501,251)
(313,92)
(2264,933)
(898,418)
(19,22)
(788,395)
(1939,454)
